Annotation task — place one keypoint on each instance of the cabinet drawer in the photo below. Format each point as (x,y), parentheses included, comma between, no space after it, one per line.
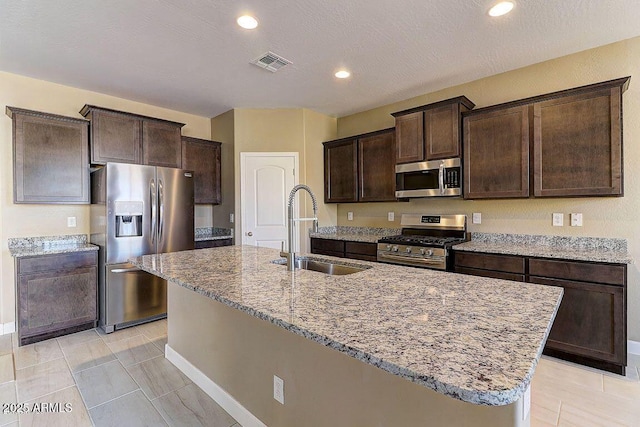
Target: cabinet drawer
(489,273)
(56,262)
(361,248)
(203,244)
(611,274)
(505,263)
(327,245)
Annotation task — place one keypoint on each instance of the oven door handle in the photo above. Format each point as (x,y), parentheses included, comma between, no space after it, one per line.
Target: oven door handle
(411,259)
(441,177)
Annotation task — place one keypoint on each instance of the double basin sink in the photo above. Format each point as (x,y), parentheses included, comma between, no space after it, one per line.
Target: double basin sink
(324,266)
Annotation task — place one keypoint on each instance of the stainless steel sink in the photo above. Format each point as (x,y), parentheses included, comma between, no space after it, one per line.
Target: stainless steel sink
(332,268)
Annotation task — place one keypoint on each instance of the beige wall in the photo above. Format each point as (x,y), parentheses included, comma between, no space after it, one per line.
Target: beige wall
(283,130)
(222,130)
(24,220)
(603,217)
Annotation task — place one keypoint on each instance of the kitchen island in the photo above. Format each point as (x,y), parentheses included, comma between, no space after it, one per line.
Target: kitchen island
(389,345)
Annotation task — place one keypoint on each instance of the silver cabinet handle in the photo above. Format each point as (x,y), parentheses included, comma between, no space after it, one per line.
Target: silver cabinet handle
(125,270)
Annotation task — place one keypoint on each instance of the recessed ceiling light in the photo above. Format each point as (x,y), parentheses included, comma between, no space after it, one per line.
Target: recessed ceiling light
(342,74)
(501,8)
(247,22)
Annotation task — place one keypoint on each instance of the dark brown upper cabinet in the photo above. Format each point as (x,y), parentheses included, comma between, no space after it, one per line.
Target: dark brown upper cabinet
(50,158)
(360,168)
(430,132)
(562,144)
(496,154)
(118,136)
(203,158)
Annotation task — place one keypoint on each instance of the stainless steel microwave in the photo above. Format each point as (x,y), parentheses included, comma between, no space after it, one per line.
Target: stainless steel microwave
(435,178)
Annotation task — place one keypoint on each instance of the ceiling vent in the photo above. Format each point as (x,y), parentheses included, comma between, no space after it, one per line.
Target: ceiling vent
(270,61)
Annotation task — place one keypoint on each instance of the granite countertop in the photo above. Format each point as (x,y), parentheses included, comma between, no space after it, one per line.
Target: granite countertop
(354,234)
(594,249)
(472,338)
(212,233)
(49,245)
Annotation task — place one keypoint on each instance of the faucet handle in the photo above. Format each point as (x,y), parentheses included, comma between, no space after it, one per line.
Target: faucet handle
(282,252)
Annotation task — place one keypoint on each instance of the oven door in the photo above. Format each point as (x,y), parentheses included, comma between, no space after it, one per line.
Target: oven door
(437,260)
(436,178)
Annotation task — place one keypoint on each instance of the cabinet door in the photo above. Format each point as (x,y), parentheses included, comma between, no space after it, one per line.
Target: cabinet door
(410,138)
(361,250)
(442,132)
(578,145)
(204,244)
(115,137)
(203,158)
(51,158)
(496,154)
(53,300)
(590,321)
(327,247)
(376,161)
(341,171)
(161,144)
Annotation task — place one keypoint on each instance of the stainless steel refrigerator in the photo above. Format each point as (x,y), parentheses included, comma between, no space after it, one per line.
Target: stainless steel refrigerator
(137,210)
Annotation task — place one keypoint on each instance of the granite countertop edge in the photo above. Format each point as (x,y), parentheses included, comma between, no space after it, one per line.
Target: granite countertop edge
(543,251)
(480,397)
(20,247)
(205,238)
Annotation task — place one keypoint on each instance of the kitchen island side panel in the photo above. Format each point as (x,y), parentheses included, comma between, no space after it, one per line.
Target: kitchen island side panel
(322,387)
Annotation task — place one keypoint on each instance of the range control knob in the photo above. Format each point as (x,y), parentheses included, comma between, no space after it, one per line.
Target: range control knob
(408,250)
(388,247)
(394,249)
(427,252)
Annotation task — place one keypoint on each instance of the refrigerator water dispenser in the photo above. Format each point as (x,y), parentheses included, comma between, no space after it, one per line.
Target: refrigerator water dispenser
(128,219)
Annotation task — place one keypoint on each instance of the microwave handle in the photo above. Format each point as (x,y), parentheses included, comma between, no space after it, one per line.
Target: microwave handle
(441,178)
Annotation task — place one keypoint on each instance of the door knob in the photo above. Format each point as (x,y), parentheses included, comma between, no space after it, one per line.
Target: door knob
(249,234)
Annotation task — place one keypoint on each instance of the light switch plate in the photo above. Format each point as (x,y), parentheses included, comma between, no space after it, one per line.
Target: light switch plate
(349,216)
(477,218)
(71,221)
(576,220)
(558,219)
(391,216)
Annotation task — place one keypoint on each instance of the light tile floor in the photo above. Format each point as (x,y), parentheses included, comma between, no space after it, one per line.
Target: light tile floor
(123,379)
(118,379)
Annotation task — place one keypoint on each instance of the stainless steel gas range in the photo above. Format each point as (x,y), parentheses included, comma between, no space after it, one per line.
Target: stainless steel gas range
(425,240)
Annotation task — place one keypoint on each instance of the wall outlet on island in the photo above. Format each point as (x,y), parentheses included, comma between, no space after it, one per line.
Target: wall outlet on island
(349,216)
(278,389)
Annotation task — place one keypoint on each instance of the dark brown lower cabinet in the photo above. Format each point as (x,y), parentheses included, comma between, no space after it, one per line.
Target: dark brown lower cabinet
(56,295)
(345,249)
(203,244)
(590,327)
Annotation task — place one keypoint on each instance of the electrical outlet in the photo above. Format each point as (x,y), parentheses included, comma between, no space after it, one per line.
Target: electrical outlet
(71,221)
(349,216)
(576,220)
(558,219)
(278,389)
(231,218)
(391,216)
(477,218)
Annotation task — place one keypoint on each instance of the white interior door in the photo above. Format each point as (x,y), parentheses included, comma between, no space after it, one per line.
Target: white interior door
(267,179)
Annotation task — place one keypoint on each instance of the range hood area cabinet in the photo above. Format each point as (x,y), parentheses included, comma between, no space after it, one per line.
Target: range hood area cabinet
(430,132)
(50,158)
(360,168)
(563,144)
(118,136)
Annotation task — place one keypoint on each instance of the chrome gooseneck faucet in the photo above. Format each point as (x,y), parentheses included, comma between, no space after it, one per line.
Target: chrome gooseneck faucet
(291,255)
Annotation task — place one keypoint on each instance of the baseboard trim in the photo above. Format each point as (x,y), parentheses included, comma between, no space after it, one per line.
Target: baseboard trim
(7,328)
(217,393)
(633,347)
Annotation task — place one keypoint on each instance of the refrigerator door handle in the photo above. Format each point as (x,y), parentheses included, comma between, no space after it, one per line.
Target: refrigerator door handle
(125,270)
(161,209)
(152,201)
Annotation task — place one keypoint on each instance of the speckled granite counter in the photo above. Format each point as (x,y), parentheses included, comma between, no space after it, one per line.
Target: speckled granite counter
(354,234)
(49,245)
(472,338)
(572,248)
(212,233)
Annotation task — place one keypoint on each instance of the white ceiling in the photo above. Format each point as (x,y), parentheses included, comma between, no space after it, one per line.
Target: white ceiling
(189,55)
